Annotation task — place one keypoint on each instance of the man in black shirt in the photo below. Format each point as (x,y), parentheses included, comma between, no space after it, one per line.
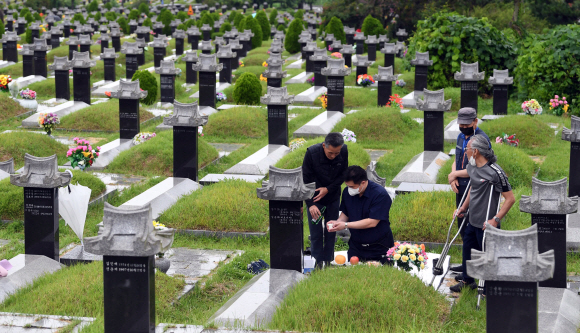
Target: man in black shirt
(325,164)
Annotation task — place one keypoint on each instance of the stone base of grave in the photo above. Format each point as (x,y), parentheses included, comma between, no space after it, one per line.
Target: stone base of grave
(55,101)
(4,63)
(321,125)
(77,255)
(255,304)
(573,232)
(4,175)
(25,269)
(109,151)
(558,310)
(568,319)
(422,168)
(452,131)
(111,86)
(60,110)
(22,322)
(296,64)
(259,162)
(310,95)
(219,86)
(28,80)
(492,117)
(101,83)
(216,178)
(300,78)
(409,99)
(420,187)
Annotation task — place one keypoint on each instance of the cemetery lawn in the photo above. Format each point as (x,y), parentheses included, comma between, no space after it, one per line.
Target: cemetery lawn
(155,157)
(16,144)
(10,108)
(230,205)
(354,301)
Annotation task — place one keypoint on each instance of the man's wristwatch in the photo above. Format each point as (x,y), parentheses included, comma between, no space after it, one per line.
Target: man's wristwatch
(346,225)
(497,219)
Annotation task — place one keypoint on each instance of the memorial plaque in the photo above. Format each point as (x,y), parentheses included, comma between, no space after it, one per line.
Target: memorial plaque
(185,152)
(110,69)
(433,131)
(167,85)
(54,41)
(511,306)
(552,235)
(390,60)
(348,60)
(71,50)
(574,177)
(274,82)
(335,93)
(129,122)
(421,77)
(226,72)
(278,125)
(469,94)
(158,31)
(319,79)
(41,222)
(35,33)
(12,52)
(190,74)
(500,99)
(28,65)
(40,63)
(207,89)
(286,235)
(82,85)
(62,84)
(194,40)
(360,47)
(372,52)
(178,46)
(235,61)
(158,55)
(309,63)
(132,64)
(302,52)
(385,91)
(86,48)
(349,39)
(360,70)
(116,43)
(129,294)
(9,25)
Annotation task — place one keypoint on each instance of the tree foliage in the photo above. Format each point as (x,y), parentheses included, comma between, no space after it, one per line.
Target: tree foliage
(291,43)
(93,6)
(556,11)
(336,28)
(262,19)
(248,89)
(147,82)
(252,24)
(273,17)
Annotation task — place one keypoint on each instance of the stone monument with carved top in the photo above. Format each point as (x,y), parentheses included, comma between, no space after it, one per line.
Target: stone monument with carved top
(434,105)
(384,80)
(501,80)
(469,77)
(335,71)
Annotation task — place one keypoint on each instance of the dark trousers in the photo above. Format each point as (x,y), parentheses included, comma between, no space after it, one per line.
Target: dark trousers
(458,196)
(322,241)
(472,239)
(372,252)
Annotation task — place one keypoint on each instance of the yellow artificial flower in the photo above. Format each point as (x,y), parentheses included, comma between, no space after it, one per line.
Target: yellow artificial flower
(88,154)
(421,258)
(397,256)
(413,257)
(411,250)
(405,258)
(422,265)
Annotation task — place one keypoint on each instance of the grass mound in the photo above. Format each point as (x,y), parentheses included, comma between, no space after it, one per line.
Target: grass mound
(417,307)
(100,117)
(356,155)
(16,144)
(238,123)
(255,59)
(155,157)
(225,206)
(377,126)
(389,165)
(10,108)
(531,131)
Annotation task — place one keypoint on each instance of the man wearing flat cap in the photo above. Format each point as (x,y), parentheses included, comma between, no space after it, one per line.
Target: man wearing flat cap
(458,178)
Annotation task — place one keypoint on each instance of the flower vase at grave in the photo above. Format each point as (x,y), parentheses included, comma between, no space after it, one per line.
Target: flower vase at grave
(129,272)
(285,214)
(237,48)
(131,51)
(347,52)
(40,49)
(389,50)
(434,105)
(116,37)
(193,37)
(129,95)
(10,47)
(511,266)
(501,82)
(109,57)
(28,60)
(549,206)
(225,56)
(185,122)
(319,60)
(372,42)
(273,72)
(335,73)
(206,47)
(328,40)
(362,65)
(158,28)
(190,58)
(61,67)
(206,32)
(85,43)
(81,64)
(141,45)
(359,39)
(41,180)
(422,64)
(73,46)
(144,32)
(468,76)
(179,36)
(309,52)
(277,100)
(159,44)
(207,67)
(384,81)
(349,33)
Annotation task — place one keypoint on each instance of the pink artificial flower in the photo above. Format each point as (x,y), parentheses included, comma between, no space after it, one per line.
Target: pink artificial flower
(561,102)
(498,140)
(99,148)
(565,102)
(97,154)
(564,98)
(556,96)
(75,139)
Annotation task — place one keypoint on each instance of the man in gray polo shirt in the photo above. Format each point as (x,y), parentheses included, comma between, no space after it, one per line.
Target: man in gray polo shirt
(485,176)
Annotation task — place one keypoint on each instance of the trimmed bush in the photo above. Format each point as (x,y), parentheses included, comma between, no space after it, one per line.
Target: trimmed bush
(165,17)
(237,19)
(29,18)
(124,24)
(248,90)
(148,23)
(232,16)
(93,6)
(372,26)
(2,29)
(273,17)
(37,17)
(254,25)
(226,26)
(111,16)
(28,36)
(291,43)
(282,28)
(207,19)
(242,24)
(147,82)
(144,9)
(134,14)
(264,24)
(336,27)
(299,14)
(183,16)
(97,16)
(78,17)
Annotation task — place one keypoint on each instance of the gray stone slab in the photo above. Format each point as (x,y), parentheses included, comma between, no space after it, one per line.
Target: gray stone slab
(422,168)
(109,151)
(492,117)
(231,106)
(376,154)
(310,95)
(300,78)
(192,264)
(296,64)
(419,187)
(573,231)
(215,178)
(33,323)
(4,175)
(321,125)
(25,269)
(60,110)
(259,162)
(5,63)
(451,131)
(25,81)
(294,56)
(77,255)
(409,101)
(101,89)
(568,320)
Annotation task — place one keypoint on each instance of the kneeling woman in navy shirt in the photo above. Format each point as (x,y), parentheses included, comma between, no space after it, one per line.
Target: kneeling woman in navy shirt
(365,212)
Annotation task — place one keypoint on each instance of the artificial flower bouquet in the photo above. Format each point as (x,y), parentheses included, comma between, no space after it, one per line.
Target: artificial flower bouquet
(408,255)
(48,121)
(532,107)
(395,101)
(558,105)
(28,94)
(365,80)
(297,143)
(324,100)
(508,139)
(4,80)
(83,155)
(348,136)
(143,137)
(220,96)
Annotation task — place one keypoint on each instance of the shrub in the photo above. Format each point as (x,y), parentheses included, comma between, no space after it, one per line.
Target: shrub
(254,25)
(335,27)
(109,5)
(144,9)
(111,16)
(165,17)
(372,26)
(556,11)
(2,29)
(29,18)
(264,24)
(79,17)
(242,24)
(124,25)
(452,38)
(147,23)
(93,6)
(147,82)
(291,43)
(282,28)
(232,16)
(248,89)
(207,19)
(189,23)
(24,11)
(226,26)
(28,36)
(299,14)
(182,16)
(97,16)
(37,17)
(134,14)
(237,19)
(273,16)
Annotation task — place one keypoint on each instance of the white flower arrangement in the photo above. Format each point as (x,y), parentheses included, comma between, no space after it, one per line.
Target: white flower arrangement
(296,143)
(348,136)
(142,137)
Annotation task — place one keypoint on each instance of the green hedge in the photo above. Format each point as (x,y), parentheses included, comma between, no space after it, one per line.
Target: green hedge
(248,90)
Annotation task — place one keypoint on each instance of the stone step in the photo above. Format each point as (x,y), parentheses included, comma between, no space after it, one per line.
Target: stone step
(321,125)
(60,110)
(259,163)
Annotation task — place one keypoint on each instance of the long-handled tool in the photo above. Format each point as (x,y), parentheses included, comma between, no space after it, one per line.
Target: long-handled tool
(481,284)
(438,266)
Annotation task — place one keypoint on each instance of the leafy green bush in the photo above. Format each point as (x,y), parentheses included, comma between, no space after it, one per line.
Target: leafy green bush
(182,16)
(79,18)
(264,24)
(93,6)
(111,16)
(500,16)
(37,17)
(124,25)
(24,11)
(165,17)
(282,28)
(242,25)
(147,82)
(451,39)
(109,5)
(549,66)
(291,43)
(147,23)
(237,19)
(226,26)
(556,11)
(273,17)
(144,9)
(28,36)
(207,19)
(133,14)
(248,90)
(2,29)
(29,18)
(254,25)
(336,28)
(372,26)
(299,14)
(97,16)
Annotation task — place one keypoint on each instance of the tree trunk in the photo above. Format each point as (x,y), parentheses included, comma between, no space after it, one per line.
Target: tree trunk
(514,22)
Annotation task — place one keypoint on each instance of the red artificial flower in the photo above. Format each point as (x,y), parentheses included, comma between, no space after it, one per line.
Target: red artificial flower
(41,14)
(358,30)
(108,94)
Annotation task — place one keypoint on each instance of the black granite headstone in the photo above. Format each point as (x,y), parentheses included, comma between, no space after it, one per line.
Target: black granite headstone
(206,35)
(207,89)
(185,152)
(116,43)
(335,93)
(71,50)
(4,54)
(235,61)
(178,46)
(86,48)
(385,91)
(574,177)
(469,94)
(421,77)
(190,74)
(390,60)
(129,121)
(226,72)
(55,41)
(206,51)
(158,55)
(9,25)
(35,33)
(129,294)
(309,63)
(348,60)
(274,82)
(104,45)
(360,70)
(40,63)
(552,235)
(145,36)
(372,52)
(62,85)
(21,29)
(286,235)
(28,65)
(110,69)
(82,85)
(349,39)
(141,57)
(66,31)
(167,85)
(278,125)
(319,79)
(132,64)
(12,52)
(41,222)
(511,306)
(433,131)
(194,40)
(302,52)
(500,99)
(360,47)
(158,31)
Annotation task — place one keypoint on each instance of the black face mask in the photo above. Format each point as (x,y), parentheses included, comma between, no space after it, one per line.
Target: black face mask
(467,130)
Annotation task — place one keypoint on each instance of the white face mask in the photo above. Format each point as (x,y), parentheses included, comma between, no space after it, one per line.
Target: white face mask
(353,191)
(472,161)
